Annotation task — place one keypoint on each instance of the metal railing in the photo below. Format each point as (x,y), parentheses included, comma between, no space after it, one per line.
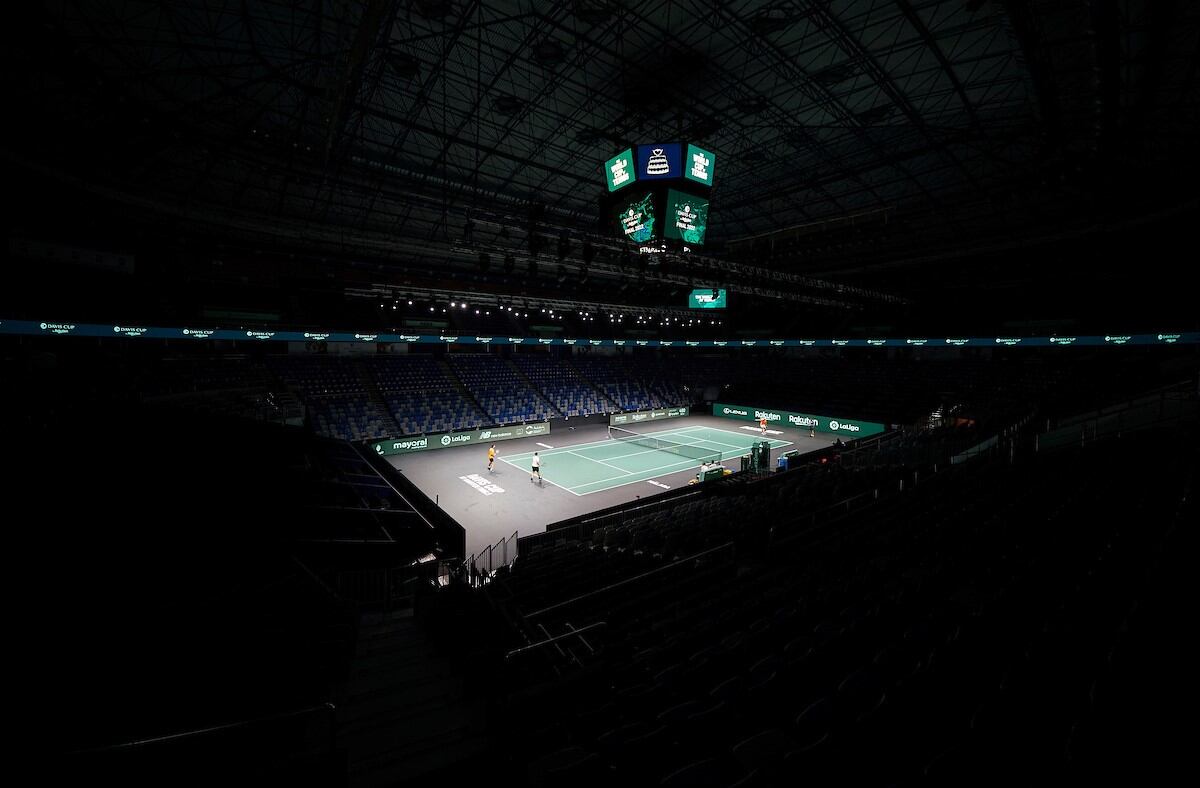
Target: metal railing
(481,565)
(257,736)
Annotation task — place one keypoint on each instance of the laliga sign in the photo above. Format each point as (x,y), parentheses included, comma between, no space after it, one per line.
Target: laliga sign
(835,426)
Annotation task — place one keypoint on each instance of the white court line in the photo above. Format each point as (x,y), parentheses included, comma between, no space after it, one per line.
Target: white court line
(559,486)
(607,440)
(659,470)
(656,471)
(602,462)
(545,445)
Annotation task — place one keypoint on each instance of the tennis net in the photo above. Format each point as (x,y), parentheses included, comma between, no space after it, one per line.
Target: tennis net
(688,450)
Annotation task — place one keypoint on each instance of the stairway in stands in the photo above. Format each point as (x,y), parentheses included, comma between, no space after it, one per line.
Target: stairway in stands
(461,387)
(375,396)
(534,387)
(405,715)
(599,391)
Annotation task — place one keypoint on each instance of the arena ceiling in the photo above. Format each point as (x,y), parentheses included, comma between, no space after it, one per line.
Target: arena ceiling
(386,124)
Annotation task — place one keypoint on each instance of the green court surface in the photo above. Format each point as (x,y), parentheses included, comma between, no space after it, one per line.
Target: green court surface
(602,465)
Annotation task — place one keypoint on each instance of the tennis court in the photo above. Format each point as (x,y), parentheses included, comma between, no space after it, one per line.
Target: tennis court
(602,465)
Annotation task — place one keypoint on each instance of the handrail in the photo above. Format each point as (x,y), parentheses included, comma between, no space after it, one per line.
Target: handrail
(129,745)
(628,580)
(541,643)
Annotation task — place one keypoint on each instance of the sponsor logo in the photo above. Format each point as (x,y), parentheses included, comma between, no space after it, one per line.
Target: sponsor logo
(412,443)
(318,337)
(620,419)
(481,484)
(877,342)
(807,341)
(1117,340)
(735,412)
(448,339)
(957,341)
(749,342)
(596,341)
(1061,340)
(516,340)
(835,426)
(642,341)
(1008,340)
(545,341)
(570,341)
(484,340)
(198,333)
(409,338)
(915,341)
(58,328)
(802,421)
(768,415)
(1169,337)
(639,417)
(665,342)
(462,437)
(777,342)
(485,435)
(719,343)
(260,334)
(129,331)
(366,337)
(840,341)
(619,342)
(691,343)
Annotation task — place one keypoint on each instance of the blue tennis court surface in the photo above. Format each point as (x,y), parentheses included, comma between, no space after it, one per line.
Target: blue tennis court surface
(602,465)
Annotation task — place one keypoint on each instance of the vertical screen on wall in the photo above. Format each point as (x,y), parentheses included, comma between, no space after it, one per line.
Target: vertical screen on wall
(637,218)
(686,217)
(619,170)
(707,298)
(658,161)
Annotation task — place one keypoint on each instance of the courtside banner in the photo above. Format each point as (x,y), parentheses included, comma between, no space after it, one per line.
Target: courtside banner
(854,428)
(637,416)
(444,440)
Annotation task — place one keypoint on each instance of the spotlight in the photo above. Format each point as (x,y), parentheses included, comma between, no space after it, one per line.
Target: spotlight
(410,302)
(452,304)
(464,305)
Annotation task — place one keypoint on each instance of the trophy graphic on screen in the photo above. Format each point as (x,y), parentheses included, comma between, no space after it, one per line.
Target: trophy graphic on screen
(657,165)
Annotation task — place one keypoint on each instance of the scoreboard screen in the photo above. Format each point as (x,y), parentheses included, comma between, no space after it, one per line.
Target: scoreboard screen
(699,165)
(686,217)
(619,170)
(637,218)
(707,298)
(660,161)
